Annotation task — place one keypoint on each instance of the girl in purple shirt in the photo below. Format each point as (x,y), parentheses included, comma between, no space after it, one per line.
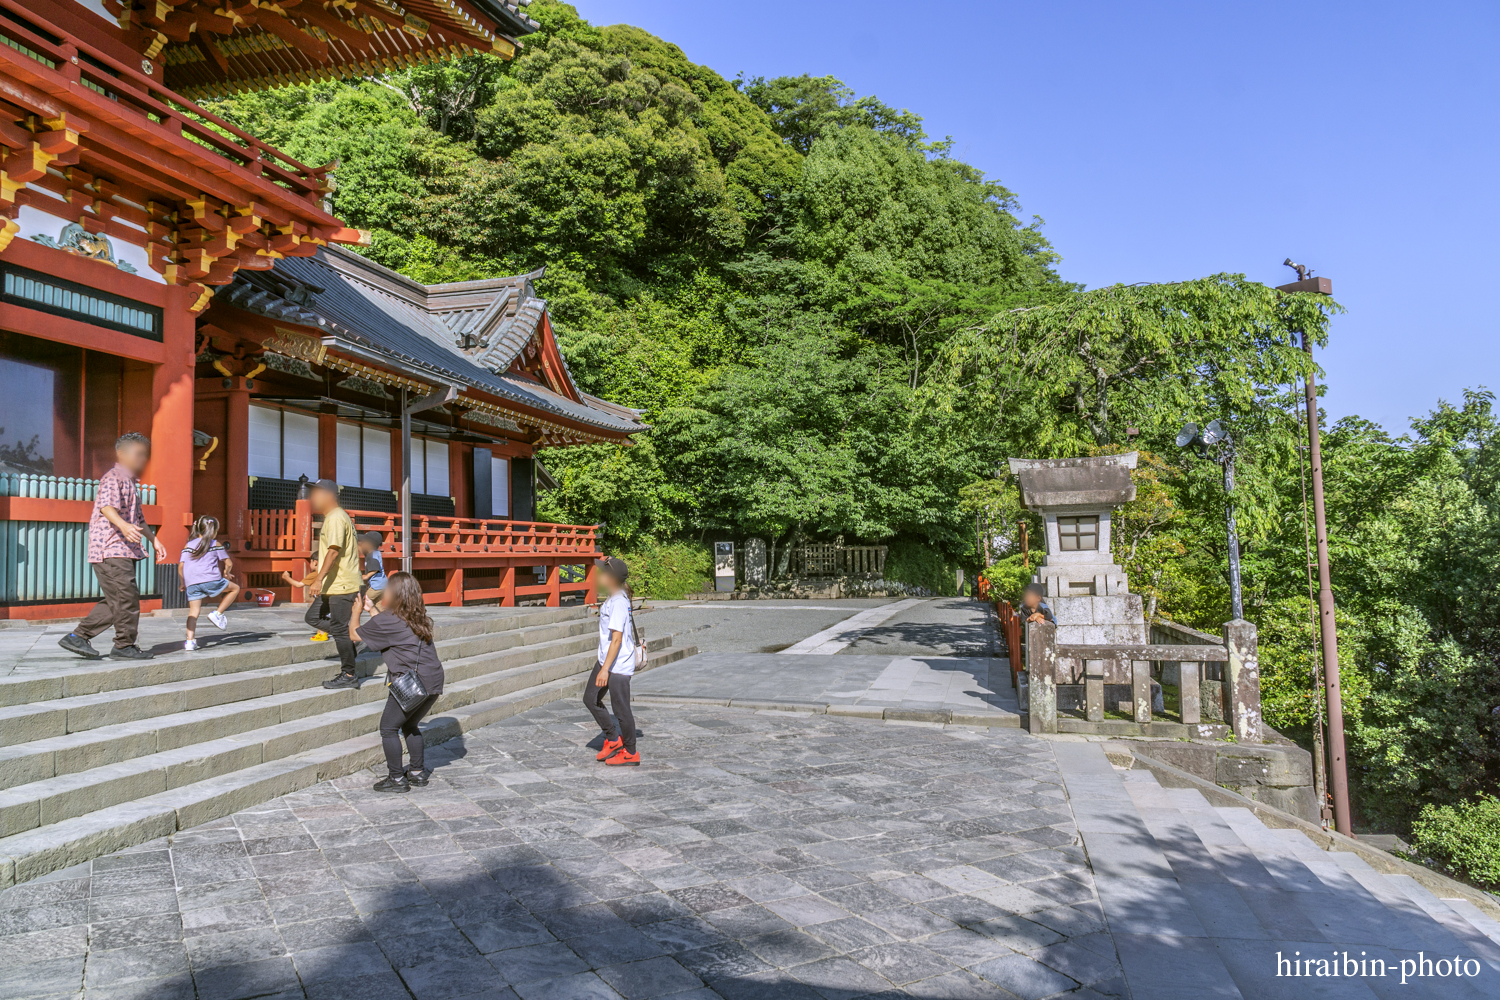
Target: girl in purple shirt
(205,569)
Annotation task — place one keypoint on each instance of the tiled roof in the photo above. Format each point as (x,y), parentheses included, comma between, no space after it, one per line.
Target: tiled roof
(374,308)
(285,44)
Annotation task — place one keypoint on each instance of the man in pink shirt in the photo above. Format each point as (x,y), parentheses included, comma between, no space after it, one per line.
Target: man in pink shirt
(116,529)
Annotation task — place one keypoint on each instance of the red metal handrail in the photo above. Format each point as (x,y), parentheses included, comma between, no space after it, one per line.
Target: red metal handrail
(130,82)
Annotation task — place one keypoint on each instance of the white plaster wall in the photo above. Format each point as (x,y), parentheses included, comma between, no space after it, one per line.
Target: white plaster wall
(35,222)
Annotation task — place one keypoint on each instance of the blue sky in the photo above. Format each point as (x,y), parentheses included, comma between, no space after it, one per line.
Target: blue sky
(1163,141)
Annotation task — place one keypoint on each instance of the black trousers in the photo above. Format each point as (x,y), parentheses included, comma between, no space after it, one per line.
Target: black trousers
(120,606)
(331,614)
(619,700)
(395,723)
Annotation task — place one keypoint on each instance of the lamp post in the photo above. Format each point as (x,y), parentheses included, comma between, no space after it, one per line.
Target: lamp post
(1328,633)
(1214,441)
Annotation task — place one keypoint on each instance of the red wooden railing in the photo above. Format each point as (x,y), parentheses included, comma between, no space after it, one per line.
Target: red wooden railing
(129,90)
(1010,627)
(290,531)
(471,536)
(283,539)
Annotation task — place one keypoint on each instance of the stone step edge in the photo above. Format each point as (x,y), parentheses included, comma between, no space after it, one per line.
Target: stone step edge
(1328,840)
(1489,928)
(23,804)
(943,716)
(1263,844)
(124,732)
(48,685)
(62,845)
(1449,918)
(1424,906)
(1259,839)
(313,668)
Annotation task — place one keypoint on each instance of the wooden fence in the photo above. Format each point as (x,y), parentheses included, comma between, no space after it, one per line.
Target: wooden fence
(833,559)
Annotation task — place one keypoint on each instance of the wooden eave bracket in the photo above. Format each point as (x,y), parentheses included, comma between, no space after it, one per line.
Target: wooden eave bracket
(45,141)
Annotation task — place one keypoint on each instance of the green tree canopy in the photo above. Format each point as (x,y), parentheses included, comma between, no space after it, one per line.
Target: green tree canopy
(836,327)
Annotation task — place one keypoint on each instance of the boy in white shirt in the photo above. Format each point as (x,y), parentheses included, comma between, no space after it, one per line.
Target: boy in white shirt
(616,665)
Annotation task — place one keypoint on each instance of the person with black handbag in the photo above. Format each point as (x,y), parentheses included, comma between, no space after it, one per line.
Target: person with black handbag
(402,634)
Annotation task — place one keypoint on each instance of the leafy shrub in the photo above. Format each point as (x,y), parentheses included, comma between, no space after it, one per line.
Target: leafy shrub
(1462,839)
(668,570)
(1008,578)
(920,566)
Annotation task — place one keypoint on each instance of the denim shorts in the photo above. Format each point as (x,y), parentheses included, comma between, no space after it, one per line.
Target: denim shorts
(203,591)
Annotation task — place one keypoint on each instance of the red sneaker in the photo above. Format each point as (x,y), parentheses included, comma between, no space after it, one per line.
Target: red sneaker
(611,747)
(624,759)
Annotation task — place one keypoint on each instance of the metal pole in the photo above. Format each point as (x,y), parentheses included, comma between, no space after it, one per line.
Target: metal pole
(1320,754)
(1236,599)
(1338,761)
(406,548)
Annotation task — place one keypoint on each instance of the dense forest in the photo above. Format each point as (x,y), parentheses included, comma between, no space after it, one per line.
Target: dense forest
(837,328)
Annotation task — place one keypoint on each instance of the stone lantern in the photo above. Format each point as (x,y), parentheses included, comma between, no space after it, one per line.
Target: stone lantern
(1087,590)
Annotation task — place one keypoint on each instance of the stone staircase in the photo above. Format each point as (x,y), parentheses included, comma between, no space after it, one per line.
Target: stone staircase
(1207,902)
(114,756)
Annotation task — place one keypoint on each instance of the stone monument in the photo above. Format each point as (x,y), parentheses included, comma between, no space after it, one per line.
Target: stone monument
(1087,590)
(755,562)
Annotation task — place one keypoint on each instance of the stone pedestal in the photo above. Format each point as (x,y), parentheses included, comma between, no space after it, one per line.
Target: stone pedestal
(1099,621)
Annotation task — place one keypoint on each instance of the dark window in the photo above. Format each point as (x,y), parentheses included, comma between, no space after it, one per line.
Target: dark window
(1076,534)
(59,408)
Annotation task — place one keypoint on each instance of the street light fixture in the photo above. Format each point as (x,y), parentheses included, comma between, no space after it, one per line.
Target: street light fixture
(1214,441)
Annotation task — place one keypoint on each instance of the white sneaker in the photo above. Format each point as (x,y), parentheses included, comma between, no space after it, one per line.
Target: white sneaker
(190,644)
(218,619)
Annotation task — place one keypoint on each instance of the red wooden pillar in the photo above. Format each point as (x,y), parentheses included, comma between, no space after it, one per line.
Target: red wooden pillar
(328,446)
(171,468)
(554,585)
(237,459)
(304,521)
(455,588)
(508,586)
(460,462)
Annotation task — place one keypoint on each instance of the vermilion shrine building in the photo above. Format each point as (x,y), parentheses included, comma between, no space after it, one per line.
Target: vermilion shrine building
(164,271)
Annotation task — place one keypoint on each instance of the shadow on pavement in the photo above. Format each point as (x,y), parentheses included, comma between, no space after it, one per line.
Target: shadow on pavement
(973,638)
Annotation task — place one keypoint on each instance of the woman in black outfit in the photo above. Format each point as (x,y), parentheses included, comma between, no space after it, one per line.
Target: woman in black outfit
(402,633)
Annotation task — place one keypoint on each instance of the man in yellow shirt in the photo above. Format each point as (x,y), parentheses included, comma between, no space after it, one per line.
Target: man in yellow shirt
(333,587)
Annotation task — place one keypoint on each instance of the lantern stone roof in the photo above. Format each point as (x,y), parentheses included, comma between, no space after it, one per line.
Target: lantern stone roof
(1099,481)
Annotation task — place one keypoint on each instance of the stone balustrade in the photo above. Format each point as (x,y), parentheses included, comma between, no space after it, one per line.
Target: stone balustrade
(1077,687)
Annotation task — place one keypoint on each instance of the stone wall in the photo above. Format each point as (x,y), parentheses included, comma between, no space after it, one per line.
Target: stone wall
(1277,773)
(1099,621)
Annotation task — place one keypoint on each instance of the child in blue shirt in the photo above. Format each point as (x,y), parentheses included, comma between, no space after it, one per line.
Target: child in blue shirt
(374,569)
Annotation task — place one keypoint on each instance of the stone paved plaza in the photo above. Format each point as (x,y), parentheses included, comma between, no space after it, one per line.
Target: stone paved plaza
(948,626)
(976,690)
(751,855)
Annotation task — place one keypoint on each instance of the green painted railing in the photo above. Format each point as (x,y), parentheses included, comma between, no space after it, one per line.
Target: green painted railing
(48,560)
(18,484)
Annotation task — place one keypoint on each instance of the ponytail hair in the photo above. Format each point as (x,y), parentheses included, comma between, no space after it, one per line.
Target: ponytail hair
(205,530)
(403,598)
